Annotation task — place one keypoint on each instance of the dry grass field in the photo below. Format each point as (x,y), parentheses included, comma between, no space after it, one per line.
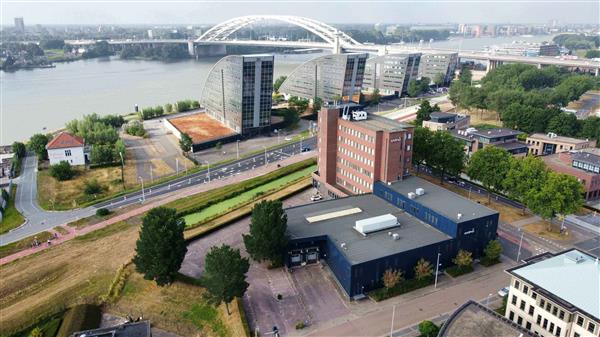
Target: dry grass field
(201,127)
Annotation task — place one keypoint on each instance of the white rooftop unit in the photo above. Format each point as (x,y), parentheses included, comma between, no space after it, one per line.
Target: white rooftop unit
(420,191)
(369,225)
(359,115)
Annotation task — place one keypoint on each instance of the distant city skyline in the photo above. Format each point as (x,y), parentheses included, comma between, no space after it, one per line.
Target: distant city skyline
(335,12)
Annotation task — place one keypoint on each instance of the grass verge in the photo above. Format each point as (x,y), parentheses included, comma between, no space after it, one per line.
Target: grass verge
(402,288)
(11,218)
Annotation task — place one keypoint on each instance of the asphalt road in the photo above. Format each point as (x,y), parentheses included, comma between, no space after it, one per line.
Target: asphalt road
(39,220)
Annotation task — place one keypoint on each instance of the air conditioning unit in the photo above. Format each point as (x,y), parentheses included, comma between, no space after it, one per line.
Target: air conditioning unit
(396,236)
(359,115)
(412,195)
(420,191)
(459,216)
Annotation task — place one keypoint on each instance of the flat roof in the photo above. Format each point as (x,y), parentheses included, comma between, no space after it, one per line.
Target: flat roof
(494,133)
(586,157)
(473,319)
(358,248)
(131,329)
(572,276)
(559,139)
(511,145)
(442,200)
(378,123)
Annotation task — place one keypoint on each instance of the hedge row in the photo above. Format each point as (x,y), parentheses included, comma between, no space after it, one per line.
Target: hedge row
(403,287)
(455,271)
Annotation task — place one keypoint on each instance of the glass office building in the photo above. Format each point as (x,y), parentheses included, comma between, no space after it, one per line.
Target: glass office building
(238,92)
(329,77)
(391,73)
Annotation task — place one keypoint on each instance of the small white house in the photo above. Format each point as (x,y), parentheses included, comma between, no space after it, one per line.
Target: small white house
(66,147)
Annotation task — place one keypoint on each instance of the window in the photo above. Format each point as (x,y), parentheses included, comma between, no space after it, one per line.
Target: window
(561,315)
(539,320)
(519,320)
(576,335)
(558,329)
(545,323)
(579,320)
(533,295)
(591,327)
(528,326)
(551,328)
(542,302)
(511,315)
(514,300)
(548,306)
(531,309)
(517,284)
(67,153)
(555,311)
(522,306)
(525,289)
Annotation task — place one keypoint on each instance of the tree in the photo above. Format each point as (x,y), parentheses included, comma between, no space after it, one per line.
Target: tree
(439,79)
(421,146)
(92,187)
(466,76)
(564,124)
(290,117)
(375,97)
(490,166)
(423,269)
(267,239)
(224,275)
(186,142)
(278,82)
(168,108)
(524,177)
(37,144)
(447,154)
(561,194)
(317,104)
(413,89)
(337,98)
(592,54)
(428,329)
(492,251)
(102,154)
(298,104)
(62,171)
(424,112)
(160,248)
(36,332)
(463,259)
(392,278)
(19,149)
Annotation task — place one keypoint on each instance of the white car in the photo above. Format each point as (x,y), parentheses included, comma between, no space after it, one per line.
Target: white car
(503,292)
(316,197)
(287,139)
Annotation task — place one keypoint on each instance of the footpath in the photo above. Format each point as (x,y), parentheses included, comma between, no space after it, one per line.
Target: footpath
(159,201)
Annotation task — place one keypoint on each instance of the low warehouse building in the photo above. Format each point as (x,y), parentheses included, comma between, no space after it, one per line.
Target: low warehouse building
(360,237)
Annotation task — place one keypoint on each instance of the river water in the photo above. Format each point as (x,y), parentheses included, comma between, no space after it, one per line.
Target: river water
(45,99)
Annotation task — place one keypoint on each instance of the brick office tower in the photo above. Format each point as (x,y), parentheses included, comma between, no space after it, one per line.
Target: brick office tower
(354,153)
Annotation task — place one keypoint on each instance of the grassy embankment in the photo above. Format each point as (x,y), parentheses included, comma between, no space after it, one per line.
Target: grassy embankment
(11,218)
(82,271)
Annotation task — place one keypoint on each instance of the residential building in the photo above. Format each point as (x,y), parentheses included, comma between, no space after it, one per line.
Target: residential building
(549,50)
(401,222)
(544,144)
(20,25)
(355,153)
(434,63)
(391,73)
(583,165)
(67,147)
(130,329)
(238,90)
(330,77)
(475,140)
(556,294)
(475,319)
(447,121)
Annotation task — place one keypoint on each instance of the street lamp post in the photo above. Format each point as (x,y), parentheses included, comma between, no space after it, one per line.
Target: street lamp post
(301,139)
(392,326)
(237,146)
(437,268)
(266,159)
(143,194)
(207,163)
(520,243)
(122,169)
(151,174)
(176,165)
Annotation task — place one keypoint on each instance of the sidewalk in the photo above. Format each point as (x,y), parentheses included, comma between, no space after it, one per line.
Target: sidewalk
(162,200)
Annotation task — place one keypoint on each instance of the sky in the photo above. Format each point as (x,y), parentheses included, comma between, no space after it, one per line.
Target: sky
(332,11)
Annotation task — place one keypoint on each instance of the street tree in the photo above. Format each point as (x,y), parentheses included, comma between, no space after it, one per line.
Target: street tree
(447,154)
(224,275)
(489,166)
(424,112)
(465,76)
(317,104)
(423,269)
(561,194)
(160,248)
(267,239)
(19,149)
(37,144)
(186,142)
(392,278)
(564,124)
(278,82)
(439,79)
(375,97)
(428,329)
(524,177)
(463,259)
(492,251)
(421,146)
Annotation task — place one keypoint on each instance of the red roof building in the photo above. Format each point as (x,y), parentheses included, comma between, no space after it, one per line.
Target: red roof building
(64,140)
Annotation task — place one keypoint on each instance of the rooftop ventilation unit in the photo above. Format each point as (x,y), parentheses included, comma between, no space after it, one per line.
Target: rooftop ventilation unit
(345,113)
(420,191)
(374,224)
(459,216)
(551,135)
(412,195)
(359,115)
(470,130)
(396,236)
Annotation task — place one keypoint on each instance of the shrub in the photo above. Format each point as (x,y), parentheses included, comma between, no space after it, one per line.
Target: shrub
(428,329)
(80,317)
(92,187)
(455,271)
(463,259)
(5,195)
(402,288)
(102,211)
(62,171)
(102,154)
(36,332)
(300,325)
(136,128)
(168,108)
(218,146)
(182,106)
(492,252)
(423,269)
(392,278)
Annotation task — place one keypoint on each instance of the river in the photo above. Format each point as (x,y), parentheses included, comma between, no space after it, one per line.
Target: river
(45,99)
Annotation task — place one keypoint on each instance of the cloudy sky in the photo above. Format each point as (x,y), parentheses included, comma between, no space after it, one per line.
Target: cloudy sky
(332,11)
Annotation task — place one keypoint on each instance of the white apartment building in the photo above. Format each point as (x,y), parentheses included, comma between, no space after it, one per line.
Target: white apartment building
(556,295)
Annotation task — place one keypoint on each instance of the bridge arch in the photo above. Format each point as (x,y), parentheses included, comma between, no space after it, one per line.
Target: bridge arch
(328,33)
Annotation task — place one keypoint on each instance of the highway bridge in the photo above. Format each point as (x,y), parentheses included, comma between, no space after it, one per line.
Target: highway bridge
(335,40)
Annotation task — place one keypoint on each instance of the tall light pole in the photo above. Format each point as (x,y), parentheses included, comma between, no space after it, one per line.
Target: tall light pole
(392,326)
(207,163)
(176,165)
(143,194)
(266,159)
(122,169)
(520,243)
(301,139)
(437,268)
(151,174)
(237,146)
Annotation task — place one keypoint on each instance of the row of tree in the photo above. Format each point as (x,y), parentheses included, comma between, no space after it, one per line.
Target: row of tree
(102,134)
(418,87)
(577,41)
(166,52)
(159,110)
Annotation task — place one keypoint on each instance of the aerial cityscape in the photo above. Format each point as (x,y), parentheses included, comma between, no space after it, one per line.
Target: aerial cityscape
(300,168)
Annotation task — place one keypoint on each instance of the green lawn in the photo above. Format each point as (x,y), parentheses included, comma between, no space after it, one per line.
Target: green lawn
(245,197)
(11,218)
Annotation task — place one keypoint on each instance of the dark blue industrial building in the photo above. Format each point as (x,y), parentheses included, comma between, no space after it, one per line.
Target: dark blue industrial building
(359,237)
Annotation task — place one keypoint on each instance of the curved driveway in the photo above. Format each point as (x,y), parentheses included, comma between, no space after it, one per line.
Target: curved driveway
(39,220)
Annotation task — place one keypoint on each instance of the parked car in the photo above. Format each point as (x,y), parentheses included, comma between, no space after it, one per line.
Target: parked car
(503,292)
(305,149)
(316,197)
(288,138)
